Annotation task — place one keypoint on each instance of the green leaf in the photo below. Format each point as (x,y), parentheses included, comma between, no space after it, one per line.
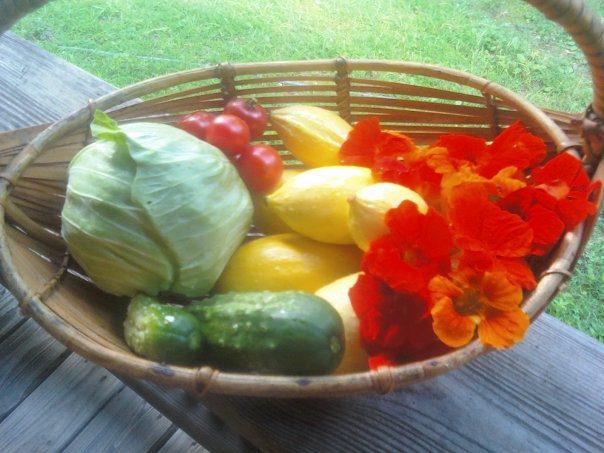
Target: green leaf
(103,126)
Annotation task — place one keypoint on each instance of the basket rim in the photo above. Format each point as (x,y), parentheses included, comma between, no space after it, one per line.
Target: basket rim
(200,380)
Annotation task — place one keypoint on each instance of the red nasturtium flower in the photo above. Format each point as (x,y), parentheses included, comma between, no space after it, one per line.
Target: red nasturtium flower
(367,143)
(514,147)
(490,237)
(390,298)
(481,226)
(413,171)
(557,201)
(468,300)
(537,208)
(566,181)
(394,326)
(417,247)
(393,157)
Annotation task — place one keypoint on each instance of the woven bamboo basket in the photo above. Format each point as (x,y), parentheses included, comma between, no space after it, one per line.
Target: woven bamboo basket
(55,292)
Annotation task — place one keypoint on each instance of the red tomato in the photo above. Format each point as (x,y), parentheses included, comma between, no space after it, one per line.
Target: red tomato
(196,123)
(251,112)
(260,166)
(229,133)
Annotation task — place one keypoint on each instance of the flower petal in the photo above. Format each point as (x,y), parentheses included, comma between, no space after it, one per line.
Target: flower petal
(366,293)
(449,326)
(506,234)
(573,211)
(482,226)
(381,360)
(440,287)
(499,293)
(429,233)
(468,206)
(359,148)
(393,144)
(383,260)
(507,181)
(416,175)
(565,168)
(547,228)
(518,272)
(465,147)
(503,329)
(514,147)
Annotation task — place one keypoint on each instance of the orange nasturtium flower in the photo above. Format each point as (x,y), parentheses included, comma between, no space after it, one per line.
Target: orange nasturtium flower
(468,301)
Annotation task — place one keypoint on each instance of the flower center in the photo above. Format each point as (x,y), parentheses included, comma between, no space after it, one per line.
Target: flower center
(468,303)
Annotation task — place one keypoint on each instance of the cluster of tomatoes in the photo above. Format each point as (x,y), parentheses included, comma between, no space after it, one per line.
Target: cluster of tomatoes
(242,121)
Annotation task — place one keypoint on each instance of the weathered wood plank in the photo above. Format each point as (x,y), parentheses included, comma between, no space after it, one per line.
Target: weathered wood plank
(27,357)
(181,442)
(10,317)
(191,416)
(59,408)
(543,395)
(27,75)
(127,423)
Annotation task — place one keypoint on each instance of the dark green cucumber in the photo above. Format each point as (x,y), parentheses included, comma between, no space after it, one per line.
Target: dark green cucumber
(161,332)
(288,333)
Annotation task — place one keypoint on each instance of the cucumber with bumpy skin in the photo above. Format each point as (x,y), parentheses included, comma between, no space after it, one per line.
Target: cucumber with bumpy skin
(288,332)
(162,332)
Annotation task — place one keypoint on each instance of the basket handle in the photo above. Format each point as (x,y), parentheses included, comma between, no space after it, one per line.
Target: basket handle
(588,33)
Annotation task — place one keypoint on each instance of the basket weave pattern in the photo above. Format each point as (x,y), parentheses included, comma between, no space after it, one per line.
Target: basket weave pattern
(420,100)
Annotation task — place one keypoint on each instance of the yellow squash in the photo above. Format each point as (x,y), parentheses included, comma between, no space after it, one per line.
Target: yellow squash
(368,209)
(266,219)
(312,134)
(284,262)
(315,202)
(336,293)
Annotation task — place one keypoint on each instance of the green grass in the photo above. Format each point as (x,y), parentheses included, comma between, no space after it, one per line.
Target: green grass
(124,41)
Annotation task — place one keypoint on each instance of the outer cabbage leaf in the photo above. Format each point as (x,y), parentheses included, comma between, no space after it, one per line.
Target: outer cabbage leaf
(151,208)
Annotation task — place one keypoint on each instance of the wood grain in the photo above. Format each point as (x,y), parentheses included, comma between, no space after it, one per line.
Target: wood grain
(78,388)
(10,318)
(140,427)
(27,74)
(27,357)
(181,442)
(191,416)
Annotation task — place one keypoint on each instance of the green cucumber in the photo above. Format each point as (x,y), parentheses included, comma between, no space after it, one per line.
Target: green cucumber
(161,332)
(286,333)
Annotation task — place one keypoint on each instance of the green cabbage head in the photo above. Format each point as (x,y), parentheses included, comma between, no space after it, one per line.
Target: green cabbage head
(151,208)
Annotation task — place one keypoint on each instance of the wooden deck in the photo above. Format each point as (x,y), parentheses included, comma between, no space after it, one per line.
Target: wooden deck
(546,394)
(52,399)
